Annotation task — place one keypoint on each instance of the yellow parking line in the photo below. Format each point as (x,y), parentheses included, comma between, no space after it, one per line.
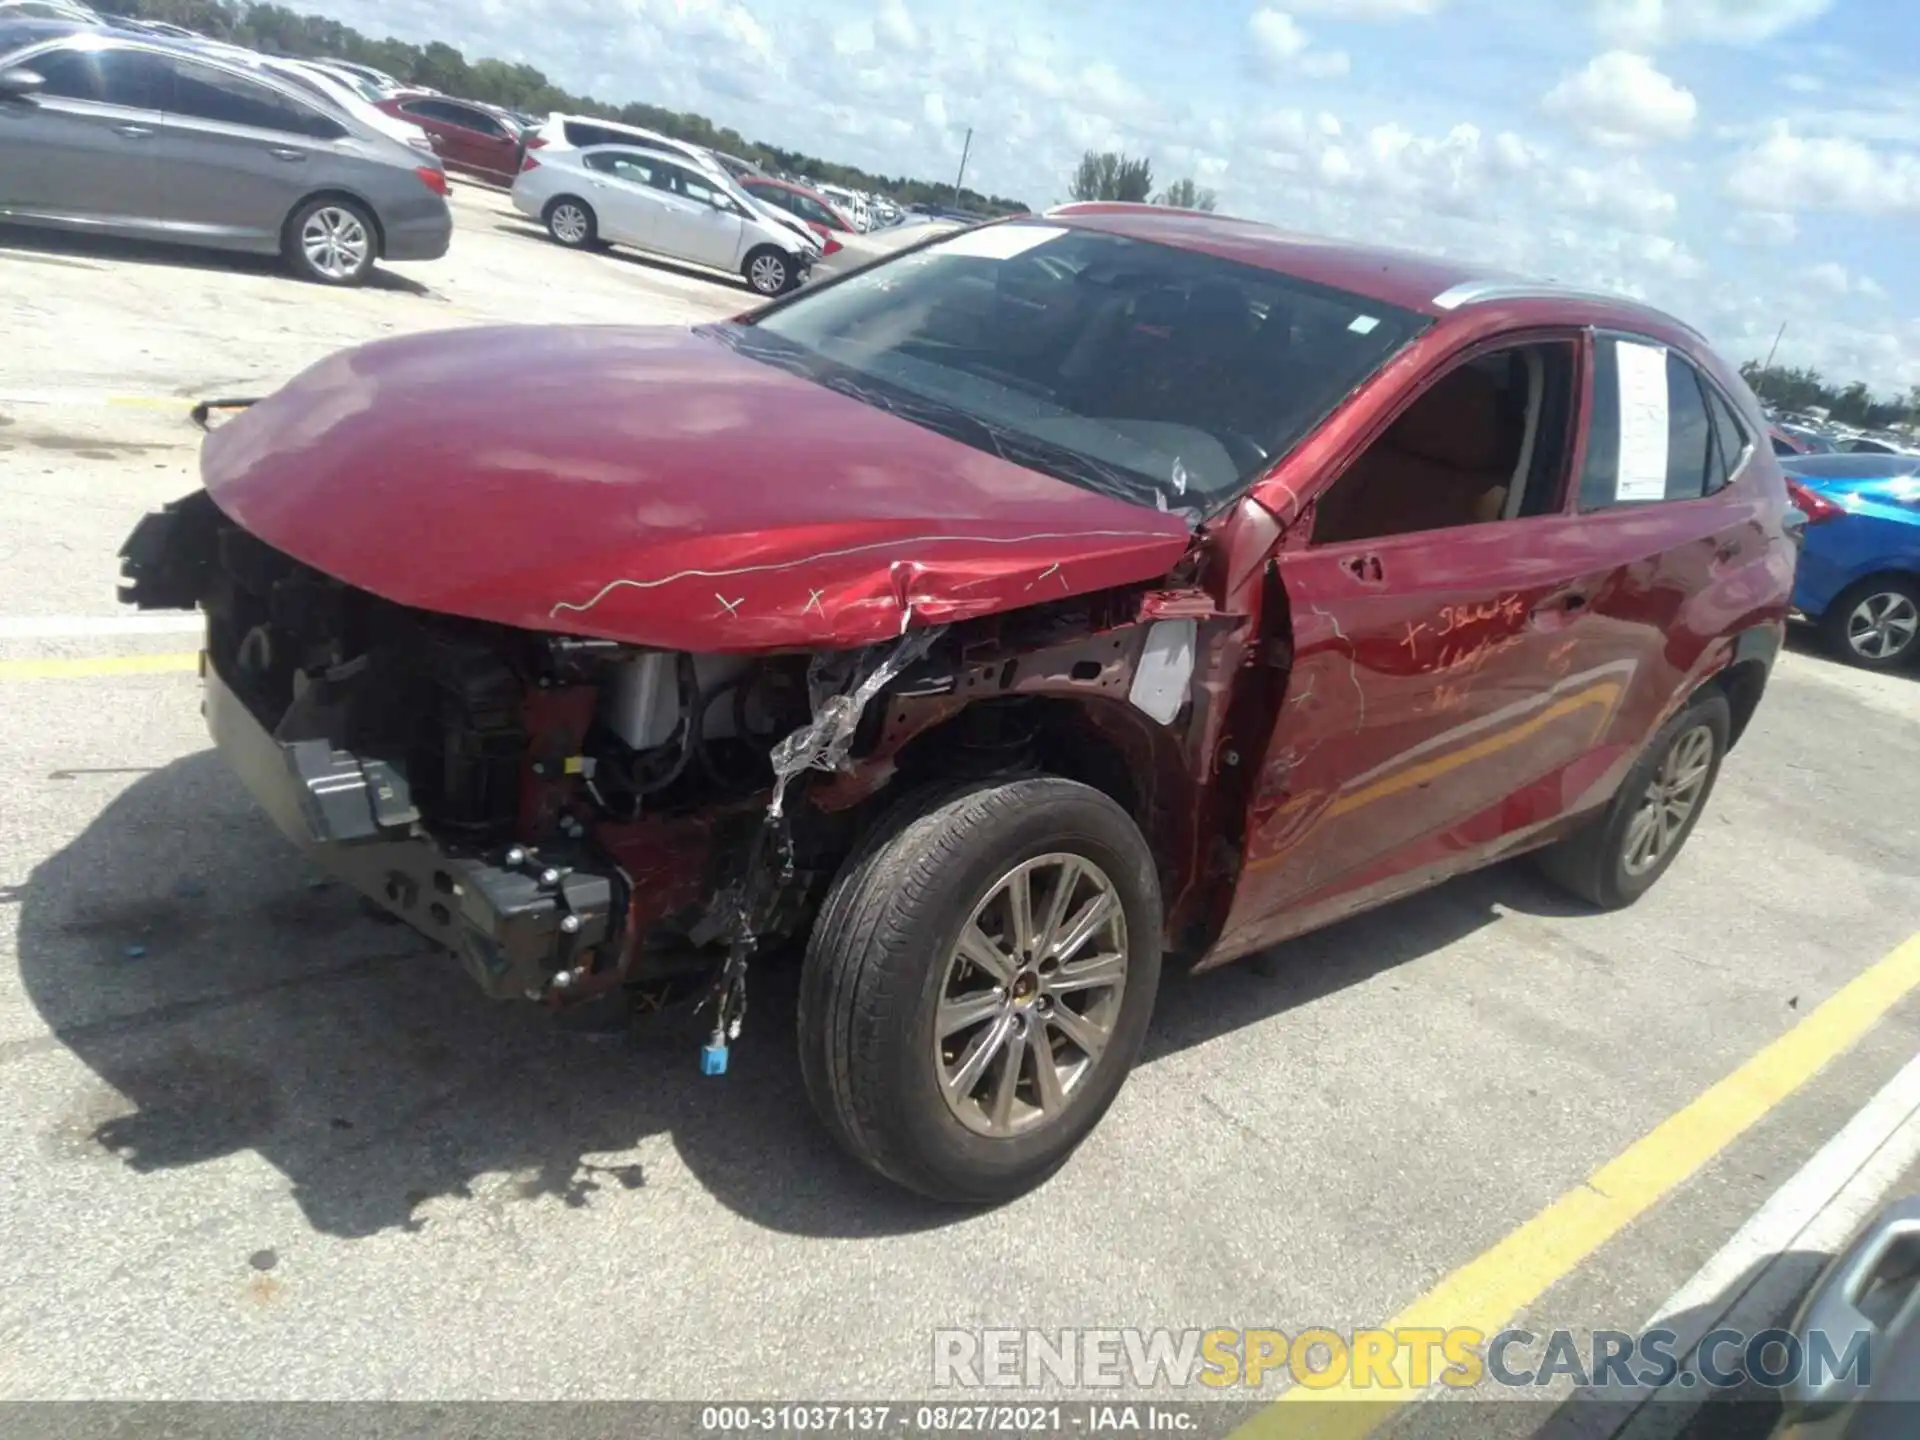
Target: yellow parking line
(99,665)
(1489,1290)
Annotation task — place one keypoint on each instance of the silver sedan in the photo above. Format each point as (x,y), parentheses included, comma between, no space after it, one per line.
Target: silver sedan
(108,132)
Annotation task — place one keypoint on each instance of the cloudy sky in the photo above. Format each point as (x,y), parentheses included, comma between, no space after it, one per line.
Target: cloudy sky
(1740,162)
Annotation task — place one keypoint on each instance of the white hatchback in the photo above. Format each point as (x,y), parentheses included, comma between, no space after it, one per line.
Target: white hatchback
(621,195)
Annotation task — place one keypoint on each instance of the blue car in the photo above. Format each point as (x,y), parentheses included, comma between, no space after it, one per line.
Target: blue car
(1860,560)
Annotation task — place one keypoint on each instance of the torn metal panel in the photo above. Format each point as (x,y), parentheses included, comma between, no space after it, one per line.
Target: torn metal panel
(826,742)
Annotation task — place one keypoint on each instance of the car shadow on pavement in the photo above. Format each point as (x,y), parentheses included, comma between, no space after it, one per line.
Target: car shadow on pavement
(641,260)
(63,247)
(227,998)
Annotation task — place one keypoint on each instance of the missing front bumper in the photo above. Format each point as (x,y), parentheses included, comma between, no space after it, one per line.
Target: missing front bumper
(515,926)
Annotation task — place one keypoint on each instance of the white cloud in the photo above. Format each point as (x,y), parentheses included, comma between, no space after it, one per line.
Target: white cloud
(895,26)
(1280,45)
(1620,98)
(1804,84)
(1369,9)
(1277,36)
(1650,23)
(1800,173)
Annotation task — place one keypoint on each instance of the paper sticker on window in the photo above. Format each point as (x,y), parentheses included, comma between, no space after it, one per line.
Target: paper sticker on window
(1643,422)
(1365,325)
(997,242)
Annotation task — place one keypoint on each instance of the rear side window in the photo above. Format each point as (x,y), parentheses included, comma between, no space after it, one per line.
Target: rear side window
(1651,434)
(134,78)
(581,135)
(209,94)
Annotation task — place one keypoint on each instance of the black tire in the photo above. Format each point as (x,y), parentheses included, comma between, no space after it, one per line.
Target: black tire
(1593,863)
(769,270)
(331,240)
(572,223)
(1837,629)
(877,966)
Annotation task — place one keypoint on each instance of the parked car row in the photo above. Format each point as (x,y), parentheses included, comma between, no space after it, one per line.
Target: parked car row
(1807,435)
(184,140)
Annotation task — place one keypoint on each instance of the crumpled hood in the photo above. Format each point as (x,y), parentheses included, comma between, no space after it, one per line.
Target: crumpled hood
(654,486)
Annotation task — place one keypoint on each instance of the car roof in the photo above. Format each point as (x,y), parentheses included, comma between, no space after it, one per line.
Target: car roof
(1412,280)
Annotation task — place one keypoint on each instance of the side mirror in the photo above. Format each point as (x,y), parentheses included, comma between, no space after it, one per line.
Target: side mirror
(20,82)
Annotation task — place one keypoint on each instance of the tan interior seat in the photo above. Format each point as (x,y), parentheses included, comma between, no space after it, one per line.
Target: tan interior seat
(1447,461)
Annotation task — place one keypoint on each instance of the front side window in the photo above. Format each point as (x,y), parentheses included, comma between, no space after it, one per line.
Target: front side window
(693,187)
(1162,376)
(1487,442)
(634,169)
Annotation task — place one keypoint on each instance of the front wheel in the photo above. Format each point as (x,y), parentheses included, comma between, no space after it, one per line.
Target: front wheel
(768,271)
(1616,857)
(330,241)
(572,223)
(979,983)
(1876,624)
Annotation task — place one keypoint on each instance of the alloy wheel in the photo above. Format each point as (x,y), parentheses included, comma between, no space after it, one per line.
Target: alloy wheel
(1031,994)
(1670,800)
(569,224)
(335,242)
(1883,625)
(768,275)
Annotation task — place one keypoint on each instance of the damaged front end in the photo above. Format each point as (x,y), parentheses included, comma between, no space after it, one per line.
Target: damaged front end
(574,817)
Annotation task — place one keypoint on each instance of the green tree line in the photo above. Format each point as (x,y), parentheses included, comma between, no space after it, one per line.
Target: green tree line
(277,30)
(1106,175)
(1795,388)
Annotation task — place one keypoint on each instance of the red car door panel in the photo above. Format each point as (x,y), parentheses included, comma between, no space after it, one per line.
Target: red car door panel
(1443,687)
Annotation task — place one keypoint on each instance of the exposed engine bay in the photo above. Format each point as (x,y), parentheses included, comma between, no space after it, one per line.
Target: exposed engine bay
(574,815)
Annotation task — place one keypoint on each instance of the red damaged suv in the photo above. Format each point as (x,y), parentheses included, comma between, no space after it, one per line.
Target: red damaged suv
(1061,595)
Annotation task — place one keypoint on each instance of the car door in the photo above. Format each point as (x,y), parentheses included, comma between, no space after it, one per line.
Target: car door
(693,224)
(237,155)
(1445,685)
(625,197)
(470,139)
(81,148)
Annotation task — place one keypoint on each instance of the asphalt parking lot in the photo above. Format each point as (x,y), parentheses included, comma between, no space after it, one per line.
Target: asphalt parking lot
(259,1146)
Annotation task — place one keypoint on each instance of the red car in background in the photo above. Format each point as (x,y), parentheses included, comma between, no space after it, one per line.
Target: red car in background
(809,206)
(470,137)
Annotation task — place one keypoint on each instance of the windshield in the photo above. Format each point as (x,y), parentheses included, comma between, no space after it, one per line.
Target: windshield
(1158,375)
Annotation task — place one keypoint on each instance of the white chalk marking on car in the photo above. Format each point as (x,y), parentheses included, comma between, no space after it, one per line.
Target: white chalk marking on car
(613,585)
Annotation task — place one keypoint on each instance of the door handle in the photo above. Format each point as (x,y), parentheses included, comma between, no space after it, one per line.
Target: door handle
(133,132)
(1561,604)
(291,156)
(1559,607)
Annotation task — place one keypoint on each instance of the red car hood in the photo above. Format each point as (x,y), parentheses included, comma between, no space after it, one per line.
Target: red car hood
(656,487)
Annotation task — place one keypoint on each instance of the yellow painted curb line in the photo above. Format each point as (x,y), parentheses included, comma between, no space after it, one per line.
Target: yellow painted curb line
(99,665)
(1489,1290)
